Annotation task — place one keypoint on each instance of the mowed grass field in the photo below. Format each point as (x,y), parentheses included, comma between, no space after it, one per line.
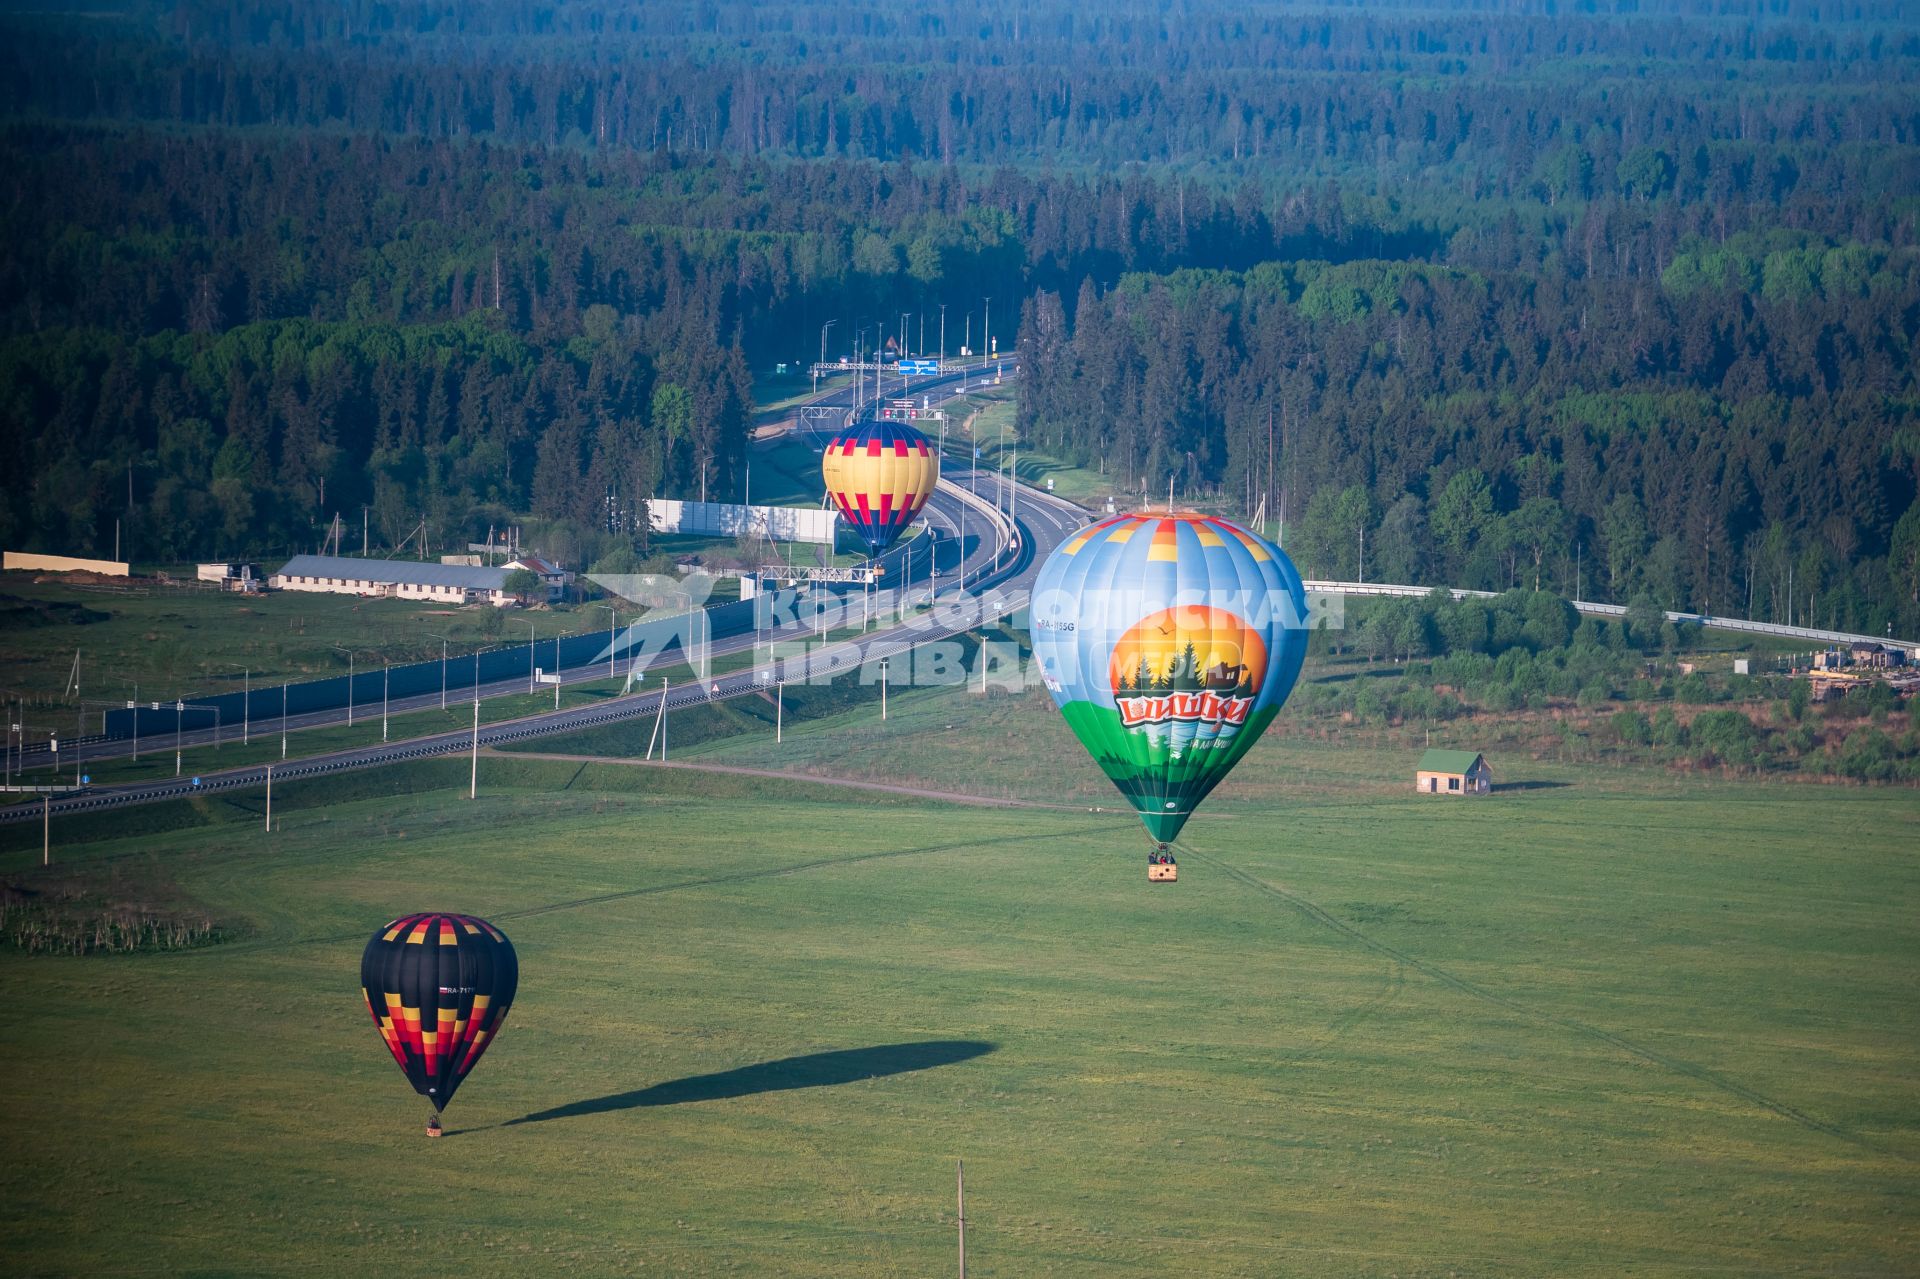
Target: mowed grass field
(1613,1022)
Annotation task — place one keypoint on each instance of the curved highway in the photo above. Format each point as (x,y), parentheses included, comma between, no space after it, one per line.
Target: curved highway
(992,574)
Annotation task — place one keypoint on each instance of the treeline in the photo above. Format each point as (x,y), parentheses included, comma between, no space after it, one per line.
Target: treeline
(1507,103)
(250,442)
(1751,451)
(1610,302)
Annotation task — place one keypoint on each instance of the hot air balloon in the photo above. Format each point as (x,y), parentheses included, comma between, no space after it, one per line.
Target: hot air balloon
(1169,643)
(438,986)
(880,474)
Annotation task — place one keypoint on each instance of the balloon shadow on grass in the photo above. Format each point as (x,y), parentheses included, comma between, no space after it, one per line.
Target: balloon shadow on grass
(815,1070)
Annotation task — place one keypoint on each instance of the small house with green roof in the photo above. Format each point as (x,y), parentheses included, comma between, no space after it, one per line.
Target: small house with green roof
(1453,773)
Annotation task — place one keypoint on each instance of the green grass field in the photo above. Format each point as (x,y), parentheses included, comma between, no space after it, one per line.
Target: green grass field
(172,641)
(1609,1021)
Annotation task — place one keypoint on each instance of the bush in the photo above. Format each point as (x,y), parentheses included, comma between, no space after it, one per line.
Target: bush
(1867,756)
(1632,728)
(1727,735)
(1694,690)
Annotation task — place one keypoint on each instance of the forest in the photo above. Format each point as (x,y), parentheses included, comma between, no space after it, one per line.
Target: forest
(1607,300)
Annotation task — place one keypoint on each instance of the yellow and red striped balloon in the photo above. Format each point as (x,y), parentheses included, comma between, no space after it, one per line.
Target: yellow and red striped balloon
(879,475)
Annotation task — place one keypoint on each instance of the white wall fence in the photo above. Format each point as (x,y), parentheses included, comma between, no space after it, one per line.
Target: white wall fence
(730,519)
(23,561)
(1616,610)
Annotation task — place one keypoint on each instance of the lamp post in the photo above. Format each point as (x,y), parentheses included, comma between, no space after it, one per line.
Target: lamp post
(529,655)
(443,665)
(246,699)
(133,705)
(613,620)
(943,339)
(883,688)
(349,652)
(386,670)
(859,380)
(283,719)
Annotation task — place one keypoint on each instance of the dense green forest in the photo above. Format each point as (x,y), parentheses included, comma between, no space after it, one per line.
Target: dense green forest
(1615,299)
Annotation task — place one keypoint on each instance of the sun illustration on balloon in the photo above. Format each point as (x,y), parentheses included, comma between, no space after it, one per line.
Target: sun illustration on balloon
(1187,676)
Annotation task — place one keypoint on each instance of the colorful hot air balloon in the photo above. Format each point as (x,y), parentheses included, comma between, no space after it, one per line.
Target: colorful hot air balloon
(880,474)
(1169,643)
(438,986)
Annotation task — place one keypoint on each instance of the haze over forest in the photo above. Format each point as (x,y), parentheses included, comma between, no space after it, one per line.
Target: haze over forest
(1620,302)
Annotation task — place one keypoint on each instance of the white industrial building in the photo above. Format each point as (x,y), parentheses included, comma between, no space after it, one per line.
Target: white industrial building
(398,579)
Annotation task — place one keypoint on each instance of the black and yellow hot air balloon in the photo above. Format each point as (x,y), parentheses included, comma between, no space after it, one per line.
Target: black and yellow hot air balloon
(438,986)
(879,475)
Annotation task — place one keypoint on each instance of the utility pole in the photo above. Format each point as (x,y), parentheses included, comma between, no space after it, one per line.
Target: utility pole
(473,777)
(659,719)
(960,1200)
(943,341)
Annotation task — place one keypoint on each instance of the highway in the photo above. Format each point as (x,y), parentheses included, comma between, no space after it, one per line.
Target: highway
(995,570)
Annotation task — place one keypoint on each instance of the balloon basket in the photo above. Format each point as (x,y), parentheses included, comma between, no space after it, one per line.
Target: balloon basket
(1160,866)
(433,1127)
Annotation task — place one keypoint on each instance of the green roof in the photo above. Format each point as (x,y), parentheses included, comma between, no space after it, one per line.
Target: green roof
(1439,761)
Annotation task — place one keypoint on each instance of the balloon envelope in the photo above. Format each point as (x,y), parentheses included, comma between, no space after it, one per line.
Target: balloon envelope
(438,987)
(1169,643)
(879,475)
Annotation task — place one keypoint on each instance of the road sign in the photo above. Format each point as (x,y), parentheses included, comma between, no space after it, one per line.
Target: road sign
(917,368)
(544,678)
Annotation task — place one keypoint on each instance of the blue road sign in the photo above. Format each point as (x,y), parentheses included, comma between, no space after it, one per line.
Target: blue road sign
(918,368)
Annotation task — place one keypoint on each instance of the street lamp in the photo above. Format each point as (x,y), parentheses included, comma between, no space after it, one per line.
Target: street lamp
(823,339)
(529,622)
(133,706)
(349,652)
(246,699)
(443,665)
(613,620)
